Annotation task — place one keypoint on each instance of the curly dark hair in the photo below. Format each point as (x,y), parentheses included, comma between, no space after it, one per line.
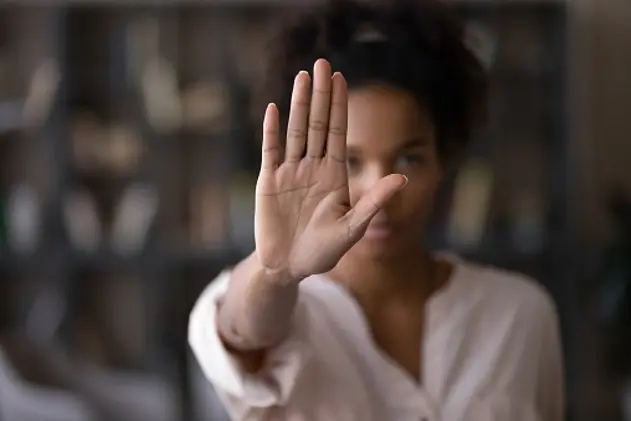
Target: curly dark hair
(417,46)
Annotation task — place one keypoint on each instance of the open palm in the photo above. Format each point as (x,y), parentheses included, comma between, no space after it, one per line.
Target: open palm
(304,222)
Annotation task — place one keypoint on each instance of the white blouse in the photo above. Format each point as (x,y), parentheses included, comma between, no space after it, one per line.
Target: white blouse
(491,352)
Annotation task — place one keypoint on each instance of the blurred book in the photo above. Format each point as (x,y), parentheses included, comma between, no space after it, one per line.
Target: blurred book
(124,149)
(82,221)
(41,94)
(154,76)
(471,204)
(209,225)
(23,218)
(134,218)
(206,107)
(161,97)
(115,149)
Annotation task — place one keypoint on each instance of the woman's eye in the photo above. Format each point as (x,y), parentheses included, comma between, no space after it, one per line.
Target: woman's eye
(406,161)
(352,163)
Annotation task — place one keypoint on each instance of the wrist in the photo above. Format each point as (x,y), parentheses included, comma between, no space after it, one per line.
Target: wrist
(281,276)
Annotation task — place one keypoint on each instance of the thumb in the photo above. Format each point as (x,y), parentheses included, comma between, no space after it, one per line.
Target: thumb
(372,202)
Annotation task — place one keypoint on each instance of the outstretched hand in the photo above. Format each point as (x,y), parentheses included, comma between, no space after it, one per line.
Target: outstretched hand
(304,221)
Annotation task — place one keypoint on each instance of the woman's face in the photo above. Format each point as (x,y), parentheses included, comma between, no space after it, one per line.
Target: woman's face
(388,132)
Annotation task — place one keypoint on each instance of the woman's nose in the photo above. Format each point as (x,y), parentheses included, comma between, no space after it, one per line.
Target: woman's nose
(375,172)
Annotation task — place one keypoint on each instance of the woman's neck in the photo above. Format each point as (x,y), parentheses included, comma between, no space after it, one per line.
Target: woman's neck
(408,278)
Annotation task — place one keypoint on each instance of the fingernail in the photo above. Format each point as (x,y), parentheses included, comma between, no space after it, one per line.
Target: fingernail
(322,61)
(270,106)
(405,181)
(300,73)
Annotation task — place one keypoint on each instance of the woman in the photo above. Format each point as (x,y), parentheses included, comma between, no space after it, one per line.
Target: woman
(340,313)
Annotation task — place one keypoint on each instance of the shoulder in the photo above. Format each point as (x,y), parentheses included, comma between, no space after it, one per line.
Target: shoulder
(507,294)
(509,286)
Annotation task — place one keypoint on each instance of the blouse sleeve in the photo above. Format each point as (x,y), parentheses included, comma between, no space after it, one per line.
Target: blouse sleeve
(551,393)
(242,392)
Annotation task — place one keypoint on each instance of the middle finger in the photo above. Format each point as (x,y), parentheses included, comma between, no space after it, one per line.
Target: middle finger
(319,114)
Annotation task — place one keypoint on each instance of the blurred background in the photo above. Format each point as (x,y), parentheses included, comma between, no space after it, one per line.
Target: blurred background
(128,155)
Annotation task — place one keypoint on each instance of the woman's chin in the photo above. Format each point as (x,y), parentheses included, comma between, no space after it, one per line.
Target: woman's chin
(378,248)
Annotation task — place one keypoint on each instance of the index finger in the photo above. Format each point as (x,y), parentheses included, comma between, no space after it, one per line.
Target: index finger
(271,154)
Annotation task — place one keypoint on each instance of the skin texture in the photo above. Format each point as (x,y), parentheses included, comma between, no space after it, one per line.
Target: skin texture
(348,196)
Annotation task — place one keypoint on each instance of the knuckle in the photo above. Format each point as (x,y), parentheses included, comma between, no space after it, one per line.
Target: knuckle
(299,103)
(351,230)
(271,150)
(338,159)
(320,91)
(337,131)
(318,125)
(296,134)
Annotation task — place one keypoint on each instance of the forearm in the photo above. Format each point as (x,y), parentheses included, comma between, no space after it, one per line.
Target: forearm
(258,308)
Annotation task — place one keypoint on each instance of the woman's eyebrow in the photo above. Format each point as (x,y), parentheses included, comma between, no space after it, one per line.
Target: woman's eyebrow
(415,142)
